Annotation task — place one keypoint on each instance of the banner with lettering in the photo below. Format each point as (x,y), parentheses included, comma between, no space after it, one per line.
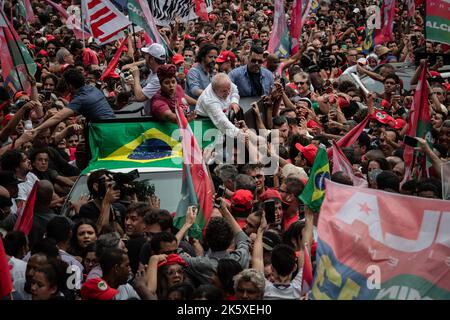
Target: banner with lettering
(165,11)
(438,21)
(383,246)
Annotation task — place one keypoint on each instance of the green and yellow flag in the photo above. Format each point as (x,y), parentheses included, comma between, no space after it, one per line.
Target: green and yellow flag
(314,191)
(117,145)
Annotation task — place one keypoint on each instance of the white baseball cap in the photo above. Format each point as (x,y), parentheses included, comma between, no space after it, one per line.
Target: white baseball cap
(155,50)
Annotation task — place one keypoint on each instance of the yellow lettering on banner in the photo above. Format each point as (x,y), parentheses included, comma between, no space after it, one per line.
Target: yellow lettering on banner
(327,271)
(349,291)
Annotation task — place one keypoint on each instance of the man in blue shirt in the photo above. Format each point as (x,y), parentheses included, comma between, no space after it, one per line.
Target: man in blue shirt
(253,79)
(201,74)
(87,101)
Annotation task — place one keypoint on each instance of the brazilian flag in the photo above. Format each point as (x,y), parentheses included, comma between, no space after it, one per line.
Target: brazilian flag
(314,191)
(132,144)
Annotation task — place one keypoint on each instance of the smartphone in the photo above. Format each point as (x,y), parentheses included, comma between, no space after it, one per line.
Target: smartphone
(410,141)
(181,69)
(220,194)
(47,95)
(101,188)
(269,209)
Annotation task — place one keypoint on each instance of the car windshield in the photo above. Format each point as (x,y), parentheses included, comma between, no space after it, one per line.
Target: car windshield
(167,188)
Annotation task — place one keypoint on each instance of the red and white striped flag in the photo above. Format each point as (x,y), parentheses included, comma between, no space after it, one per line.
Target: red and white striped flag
(105,20)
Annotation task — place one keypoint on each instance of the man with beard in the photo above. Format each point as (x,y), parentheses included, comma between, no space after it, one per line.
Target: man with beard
(51,48)
(253,79)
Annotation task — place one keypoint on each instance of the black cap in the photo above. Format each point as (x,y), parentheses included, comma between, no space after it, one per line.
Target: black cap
(8,178)
(270,240)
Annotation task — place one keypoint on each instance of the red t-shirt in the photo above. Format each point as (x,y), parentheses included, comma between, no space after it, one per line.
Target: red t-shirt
(287,221)
(161,103)
(89,57)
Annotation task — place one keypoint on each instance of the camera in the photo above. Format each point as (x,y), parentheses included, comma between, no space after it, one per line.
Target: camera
(122,182)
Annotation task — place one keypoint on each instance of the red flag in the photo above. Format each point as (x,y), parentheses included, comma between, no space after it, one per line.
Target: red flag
(341,163)
(24,222)
(387,22)
(418,125)
(115,60)
(351,136)
(5,276)
(200,9)
(307,275)
(196,188)
(300,11)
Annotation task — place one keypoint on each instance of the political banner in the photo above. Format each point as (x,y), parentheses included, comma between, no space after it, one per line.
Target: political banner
(384,246)
(438,21)
(165,11)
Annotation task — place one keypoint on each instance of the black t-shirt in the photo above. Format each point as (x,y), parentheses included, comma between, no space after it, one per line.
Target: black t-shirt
(134,245)
(91,211)
(255,81)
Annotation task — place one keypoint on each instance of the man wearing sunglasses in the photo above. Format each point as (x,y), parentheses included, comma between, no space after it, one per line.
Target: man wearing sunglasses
(252,79)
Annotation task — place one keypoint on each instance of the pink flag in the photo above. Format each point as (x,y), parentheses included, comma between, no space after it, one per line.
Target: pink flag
(404,240)
(387,22)
(411,8)
(341,163)
(351,136)
(29,11)
(307,275)
(300,12)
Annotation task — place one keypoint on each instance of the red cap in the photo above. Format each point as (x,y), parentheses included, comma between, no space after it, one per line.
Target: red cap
(178,58)
(313,124)
(97,289)
(173,259)
(384,118)
(270,194)
(343,102)
(399,123)
(309,152)
(226,56)
(310,23)
(435,74)
(267,12)
(362,28)
(50,37)
(242,200)
(42,52)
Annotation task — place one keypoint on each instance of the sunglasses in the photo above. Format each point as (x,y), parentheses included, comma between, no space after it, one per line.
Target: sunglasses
(258,61)
(300,83)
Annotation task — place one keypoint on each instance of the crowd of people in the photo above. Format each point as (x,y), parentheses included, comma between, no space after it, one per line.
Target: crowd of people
(118,248)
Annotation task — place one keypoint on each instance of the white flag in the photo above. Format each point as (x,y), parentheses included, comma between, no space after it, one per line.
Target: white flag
(105,20)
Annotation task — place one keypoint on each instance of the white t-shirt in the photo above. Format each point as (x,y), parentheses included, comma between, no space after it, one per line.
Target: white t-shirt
(126,292)
(292,291)
(152,86)
(18,268)
(26,186)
